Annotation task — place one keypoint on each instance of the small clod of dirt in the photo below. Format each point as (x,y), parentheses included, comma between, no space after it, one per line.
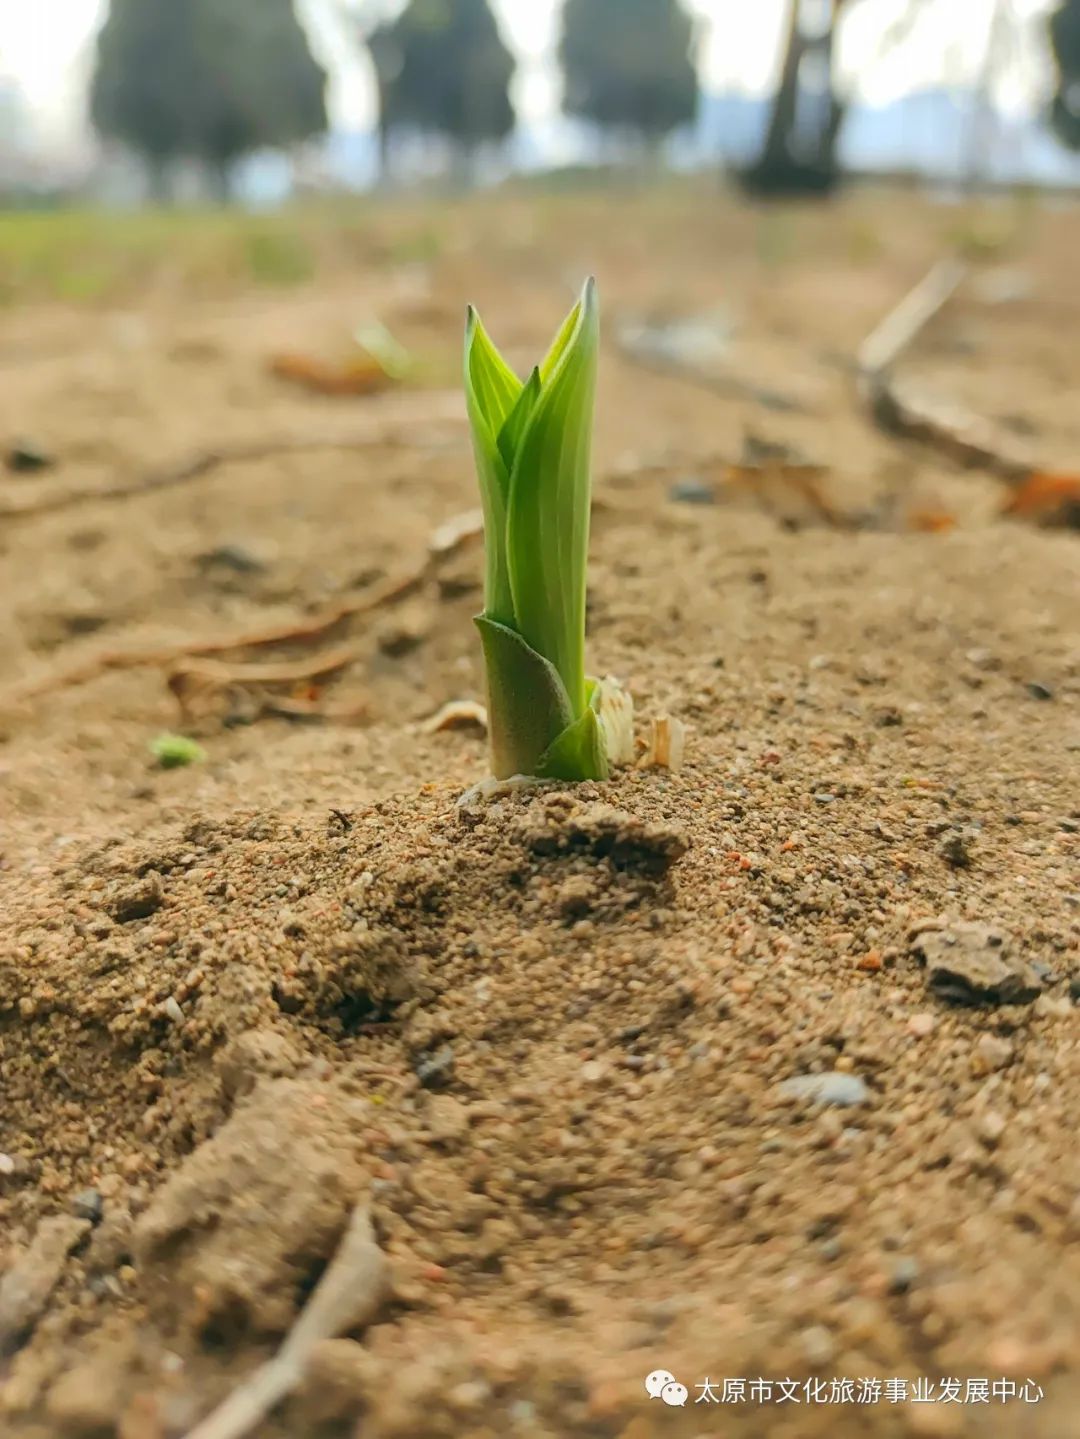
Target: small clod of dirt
(139,900)
(605,834)
(973,963)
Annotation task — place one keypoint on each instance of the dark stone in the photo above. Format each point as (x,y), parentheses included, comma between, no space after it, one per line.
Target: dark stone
(25,458)
(233,557)
(88,1204)
(692,491)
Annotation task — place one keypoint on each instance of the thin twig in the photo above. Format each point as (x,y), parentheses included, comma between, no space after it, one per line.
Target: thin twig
(212,677)
(346,1298)
(900,410)
(636,344)
(445,541)
(962,436)
(285,672)
(397,587)
(402,431)
(313,627)
(888,342)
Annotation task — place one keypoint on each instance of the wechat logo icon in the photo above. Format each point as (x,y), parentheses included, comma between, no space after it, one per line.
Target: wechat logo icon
(661,1384)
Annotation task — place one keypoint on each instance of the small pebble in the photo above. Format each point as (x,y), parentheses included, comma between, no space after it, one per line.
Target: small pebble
(171,1009)
(818,1345)
(990,1053)
(956,850)
(904,1274)
(990,1126)
(1039,691)
(437,1069)
(1053,1006)
(921,1025)
(832,1088)
(88,1204)
(691,491)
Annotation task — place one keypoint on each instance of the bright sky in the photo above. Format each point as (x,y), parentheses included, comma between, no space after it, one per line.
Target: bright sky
(45,45)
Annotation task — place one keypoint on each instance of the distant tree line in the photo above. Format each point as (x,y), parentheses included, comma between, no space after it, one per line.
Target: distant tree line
(209,80)
(213,80)
(443,68)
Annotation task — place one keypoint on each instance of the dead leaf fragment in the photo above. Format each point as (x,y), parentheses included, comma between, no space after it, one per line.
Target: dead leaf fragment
(665,746)
(455,532)
(458,714)
(616,709)
(1047,499)
(363,376)
(931,522)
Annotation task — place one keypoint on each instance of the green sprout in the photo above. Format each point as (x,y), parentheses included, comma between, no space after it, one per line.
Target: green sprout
(174,751)
(532,444)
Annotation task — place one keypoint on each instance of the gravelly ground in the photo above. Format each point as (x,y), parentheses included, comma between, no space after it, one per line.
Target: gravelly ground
(551,1037)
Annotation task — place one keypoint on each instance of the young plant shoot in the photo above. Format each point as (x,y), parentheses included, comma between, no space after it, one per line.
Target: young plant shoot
(532,443)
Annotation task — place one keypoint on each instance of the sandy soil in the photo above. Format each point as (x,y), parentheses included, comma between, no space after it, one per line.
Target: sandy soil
(550,1039)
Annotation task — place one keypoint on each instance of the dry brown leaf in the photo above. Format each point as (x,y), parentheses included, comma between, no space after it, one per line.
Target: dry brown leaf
(931,522)
(301,708)
(1044,496)
(802,480)
(355,377)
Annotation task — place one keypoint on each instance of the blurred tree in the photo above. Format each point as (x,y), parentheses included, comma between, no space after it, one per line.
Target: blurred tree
(808,109)
(630,65)
(205,79)
(799,153)
(1065,40)
(443,68)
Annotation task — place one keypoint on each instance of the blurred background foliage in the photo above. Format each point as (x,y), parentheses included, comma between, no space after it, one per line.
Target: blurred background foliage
(182,100)
(207,79)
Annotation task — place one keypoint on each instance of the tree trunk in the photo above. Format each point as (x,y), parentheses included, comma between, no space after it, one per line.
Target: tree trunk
(385,132)
(785,101)
(219,179)
(799,151)
(158,180)
(384,152)
(838,104)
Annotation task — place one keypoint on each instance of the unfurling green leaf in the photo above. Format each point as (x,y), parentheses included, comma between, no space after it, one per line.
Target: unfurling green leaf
(532,442)
(527,703)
